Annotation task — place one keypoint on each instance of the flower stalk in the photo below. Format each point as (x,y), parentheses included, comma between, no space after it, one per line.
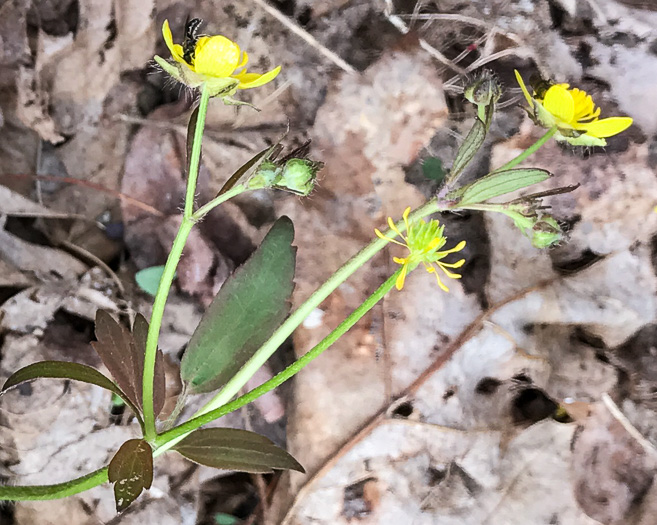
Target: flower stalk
(169,272)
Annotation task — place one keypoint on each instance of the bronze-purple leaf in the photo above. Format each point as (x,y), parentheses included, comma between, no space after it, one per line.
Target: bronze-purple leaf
(131,471)
(233,449)
(140,333)
(66,370)
(122,352)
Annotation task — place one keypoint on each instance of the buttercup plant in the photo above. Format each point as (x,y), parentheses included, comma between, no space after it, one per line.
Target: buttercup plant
(249,318)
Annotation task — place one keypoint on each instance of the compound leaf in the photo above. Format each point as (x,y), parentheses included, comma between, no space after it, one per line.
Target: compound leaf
(122,352)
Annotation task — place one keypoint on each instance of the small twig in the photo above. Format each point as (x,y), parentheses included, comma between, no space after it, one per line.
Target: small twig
(631,429)
(98,262)
(441,58)
(452,17)
(403,28)
(311,40)
(490,58)
(92,185)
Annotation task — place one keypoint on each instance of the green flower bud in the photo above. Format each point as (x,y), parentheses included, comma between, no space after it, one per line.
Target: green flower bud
(546,232)
(268,175)
(486,88)
(299,175)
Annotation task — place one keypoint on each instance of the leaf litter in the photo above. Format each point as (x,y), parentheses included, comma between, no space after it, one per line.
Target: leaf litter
(446,449)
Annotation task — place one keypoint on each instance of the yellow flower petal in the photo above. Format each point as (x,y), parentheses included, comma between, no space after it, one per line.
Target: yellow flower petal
(244,61)
(457,264)
(216,56)
(449,274)
(559,102)
(394,228)
(456,248)
(440,283)
(608,127)
(386,238)
(174,49)
(584,106)
(399,283)
(530,101)
(252,80)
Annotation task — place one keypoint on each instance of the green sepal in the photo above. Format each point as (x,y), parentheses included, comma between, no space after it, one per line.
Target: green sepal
(473,141)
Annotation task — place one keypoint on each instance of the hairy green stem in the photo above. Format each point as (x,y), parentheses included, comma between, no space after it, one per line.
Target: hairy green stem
(302,312)
(529,151)
(206,208)
(285,330)
(168,439)
(170,271)
(59,490)
(195,158)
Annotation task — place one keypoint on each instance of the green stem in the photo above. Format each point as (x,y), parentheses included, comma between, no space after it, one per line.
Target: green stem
(195,158)
(168,439)
(170,271)
(529,151)
(300,314)
(206,208)
(59,490)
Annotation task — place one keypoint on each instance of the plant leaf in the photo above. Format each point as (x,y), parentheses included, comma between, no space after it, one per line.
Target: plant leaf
(233,449)
(140,334)
(250,305)
(131,471)
(122,352)
(501,183)
(148,279)
(66,370)
(473,141)
(432,169)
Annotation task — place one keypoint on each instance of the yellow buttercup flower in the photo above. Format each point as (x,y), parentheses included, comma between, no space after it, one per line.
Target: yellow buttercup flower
(215,61)
(573,112)
(423,240)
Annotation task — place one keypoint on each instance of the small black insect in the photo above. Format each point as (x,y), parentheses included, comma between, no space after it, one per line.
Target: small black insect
(191,37)
(540,86)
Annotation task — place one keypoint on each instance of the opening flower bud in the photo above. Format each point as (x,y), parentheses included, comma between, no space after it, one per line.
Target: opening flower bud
(486,88)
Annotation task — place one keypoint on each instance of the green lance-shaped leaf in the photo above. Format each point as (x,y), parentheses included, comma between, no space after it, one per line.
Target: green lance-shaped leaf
(131,471)
(250,305)
(66,370)
(500,183)
(232,449)
(122,352)
(473,141)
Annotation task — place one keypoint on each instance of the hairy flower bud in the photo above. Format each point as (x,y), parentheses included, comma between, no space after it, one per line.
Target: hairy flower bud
(484,90)
(296,175)
(299,175)
(546,232)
